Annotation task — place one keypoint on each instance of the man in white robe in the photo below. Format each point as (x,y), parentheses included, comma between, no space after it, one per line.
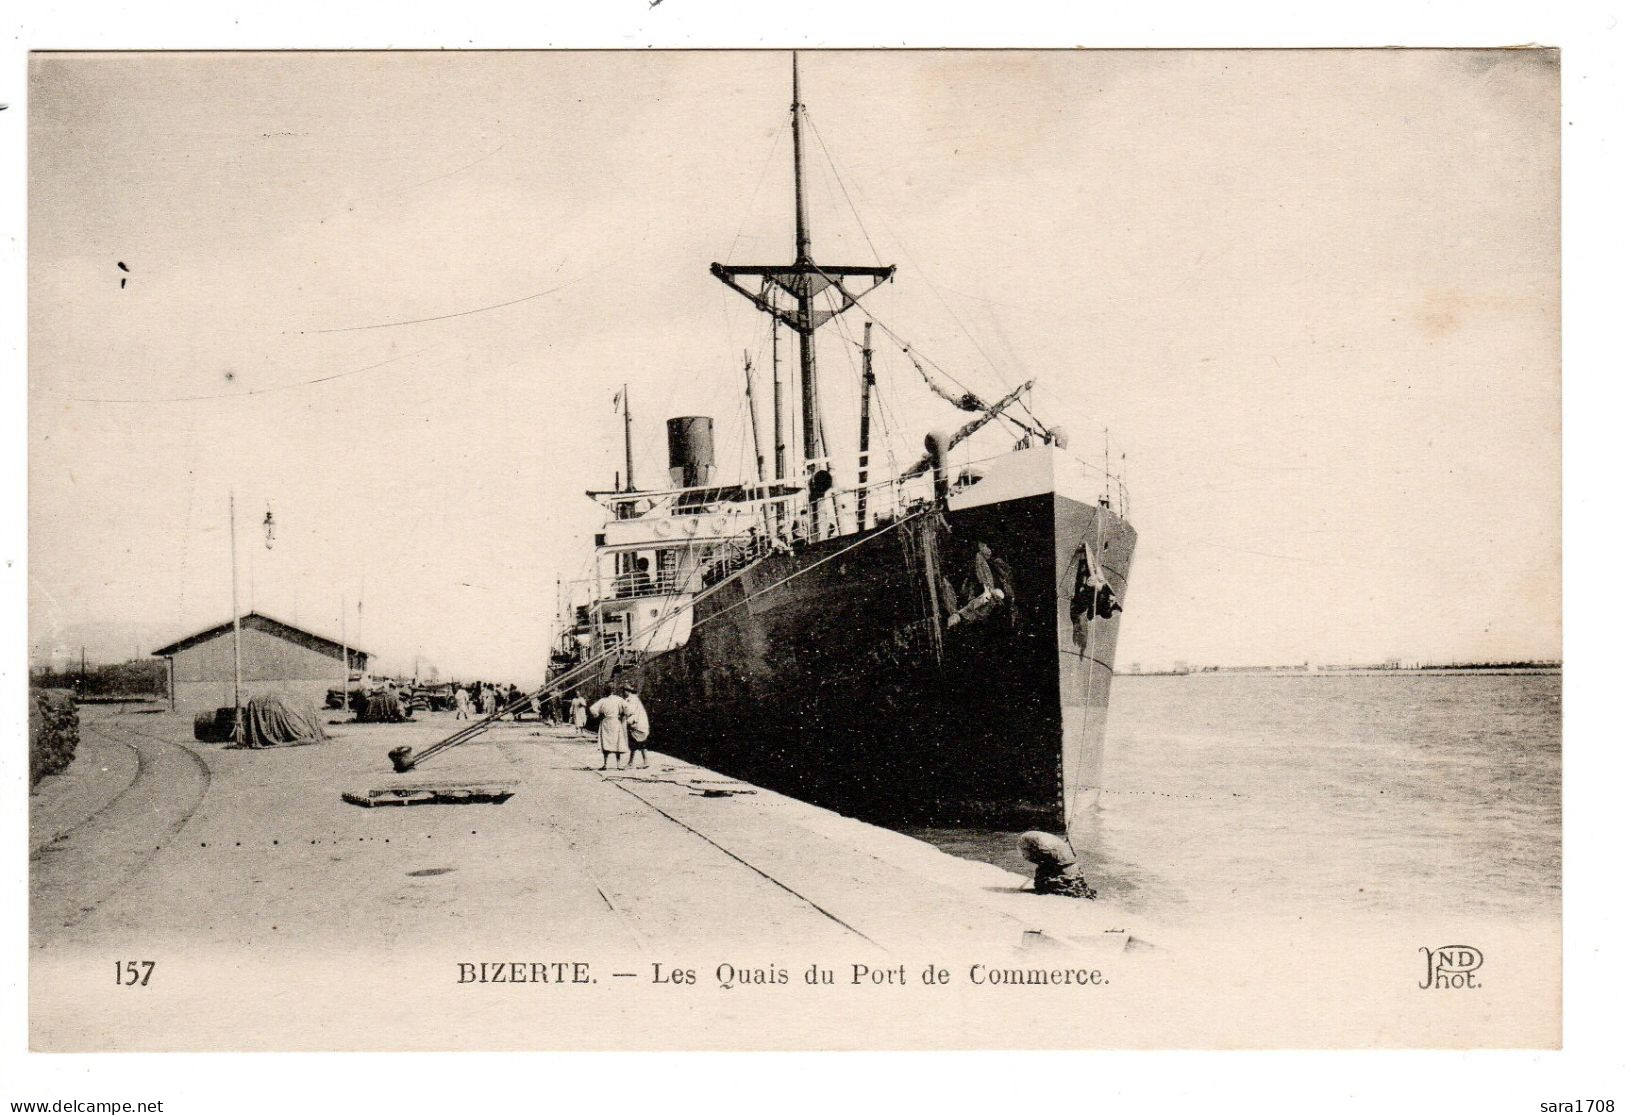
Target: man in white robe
(611,713)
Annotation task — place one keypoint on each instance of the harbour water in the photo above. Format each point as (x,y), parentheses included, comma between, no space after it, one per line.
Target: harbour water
(1290,794)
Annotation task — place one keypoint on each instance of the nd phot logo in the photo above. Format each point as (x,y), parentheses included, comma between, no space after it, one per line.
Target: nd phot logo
(1451,967)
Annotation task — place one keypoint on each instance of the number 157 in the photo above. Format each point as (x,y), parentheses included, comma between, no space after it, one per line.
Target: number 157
(133,973)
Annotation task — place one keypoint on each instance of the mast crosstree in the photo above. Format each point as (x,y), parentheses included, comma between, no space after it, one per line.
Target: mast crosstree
(787,291)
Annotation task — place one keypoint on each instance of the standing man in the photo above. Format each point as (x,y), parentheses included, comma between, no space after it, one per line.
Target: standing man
(578,713)
(463,708)
(637,725)
(611,713)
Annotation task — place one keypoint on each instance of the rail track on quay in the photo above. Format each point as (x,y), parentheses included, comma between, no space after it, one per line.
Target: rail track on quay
(90,860)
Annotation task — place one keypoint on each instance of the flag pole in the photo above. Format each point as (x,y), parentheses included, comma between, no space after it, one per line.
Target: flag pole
(344,650)
(236,633)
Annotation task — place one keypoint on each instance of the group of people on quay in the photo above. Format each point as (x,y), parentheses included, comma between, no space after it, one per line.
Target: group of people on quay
(619,719)
(485,698)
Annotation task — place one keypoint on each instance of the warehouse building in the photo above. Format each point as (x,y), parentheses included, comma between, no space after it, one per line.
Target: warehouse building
(277,658)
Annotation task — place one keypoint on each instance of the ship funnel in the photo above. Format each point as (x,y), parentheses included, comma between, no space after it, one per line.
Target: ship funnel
(692,458)
(937,444)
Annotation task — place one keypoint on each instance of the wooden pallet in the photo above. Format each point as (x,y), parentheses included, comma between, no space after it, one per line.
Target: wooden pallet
(440,793)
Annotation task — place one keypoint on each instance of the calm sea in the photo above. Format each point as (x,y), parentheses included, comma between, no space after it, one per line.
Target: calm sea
(1405,793)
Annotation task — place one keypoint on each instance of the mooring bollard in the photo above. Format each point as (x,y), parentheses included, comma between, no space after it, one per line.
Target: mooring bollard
(401,759)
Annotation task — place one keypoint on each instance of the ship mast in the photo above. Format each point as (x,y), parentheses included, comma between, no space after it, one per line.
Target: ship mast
(804,297)
(626,410)
(802,281)
(863,426)
(803,238)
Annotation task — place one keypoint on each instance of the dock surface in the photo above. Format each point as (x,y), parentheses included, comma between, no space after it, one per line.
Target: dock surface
(207,859)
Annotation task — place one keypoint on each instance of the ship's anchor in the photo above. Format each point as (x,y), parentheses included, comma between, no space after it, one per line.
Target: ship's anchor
(993,578)
(1092,596)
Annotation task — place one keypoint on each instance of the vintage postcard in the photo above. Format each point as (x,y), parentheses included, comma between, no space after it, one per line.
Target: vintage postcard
(768,550)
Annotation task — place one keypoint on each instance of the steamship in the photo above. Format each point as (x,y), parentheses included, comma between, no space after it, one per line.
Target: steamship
(928,648)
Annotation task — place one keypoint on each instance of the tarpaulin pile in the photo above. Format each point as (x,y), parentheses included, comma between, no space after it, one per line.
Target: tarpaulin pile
(272,722)
(382,707)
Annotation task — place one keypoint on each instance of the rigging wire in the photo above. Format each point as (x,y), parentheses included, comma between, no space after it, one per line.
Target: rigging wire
(888,424)
(739,422)
(829,159)
(890,428)
(761,374)
(885,388)
(459,313)
(926,279)
(836,171)
(750,207)
(237,394)
(856,373)
(1013,425)
(908,350)
(450,173)
(746,463)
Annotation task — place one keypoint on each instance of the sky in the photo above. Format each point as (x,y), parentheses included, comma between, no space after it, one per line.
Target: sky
(389,297)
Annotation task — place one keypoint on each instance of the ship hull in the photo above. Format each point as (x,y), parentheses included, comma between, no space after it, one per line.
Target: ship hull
(938,671)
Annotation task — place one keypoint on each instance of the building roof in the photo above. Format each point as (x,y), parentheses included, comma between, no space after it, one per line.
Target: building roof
(268,625)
